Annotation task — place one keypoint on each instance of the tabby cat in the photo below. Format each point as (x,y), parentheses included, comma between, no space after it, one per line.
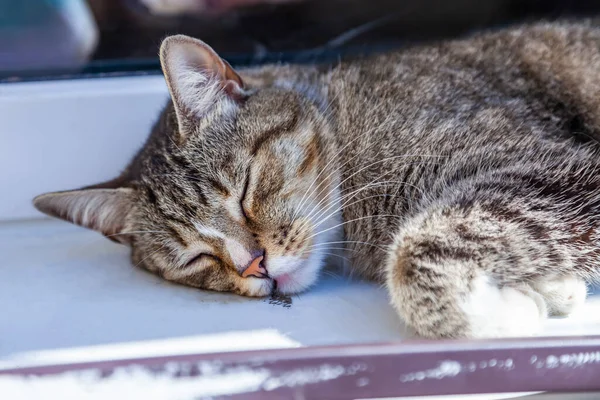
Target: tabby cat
(463,175)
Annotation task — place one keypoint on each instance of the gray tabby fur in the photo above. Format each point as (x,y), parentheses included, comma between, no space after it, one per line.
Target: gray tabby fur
(463,175)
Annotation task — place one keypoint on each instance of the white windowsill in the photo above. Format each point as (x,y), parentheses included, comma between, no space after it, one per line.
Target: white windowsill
(59,135)
(63,286)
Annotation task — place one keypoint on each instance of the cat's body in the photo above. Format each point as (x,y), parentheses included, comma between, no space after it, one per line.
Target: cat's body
(465,176)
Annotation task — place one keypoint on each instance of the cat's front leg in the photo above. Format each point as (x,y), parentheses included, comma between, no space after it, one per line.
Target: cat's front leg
(455,272)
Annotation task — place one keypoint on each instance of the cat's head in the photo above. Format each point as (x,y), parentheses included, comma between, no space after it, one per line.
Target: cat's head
(232,172)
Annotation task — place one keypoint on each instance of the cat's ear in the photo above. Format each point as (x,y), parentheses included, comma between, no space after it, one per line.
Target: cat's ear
(103,210)
(198,79)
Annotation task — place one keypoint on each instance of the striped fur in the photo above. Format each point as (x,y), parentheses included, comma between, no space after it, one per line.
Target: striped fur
(463,175)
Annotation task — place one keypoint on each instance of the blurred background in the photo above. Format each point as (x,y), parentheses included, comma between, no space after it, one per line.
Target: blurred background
(49,39)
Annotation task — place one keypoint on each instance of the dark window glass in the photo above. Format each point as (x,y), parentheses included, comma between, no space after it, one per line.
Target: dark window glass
(66,38)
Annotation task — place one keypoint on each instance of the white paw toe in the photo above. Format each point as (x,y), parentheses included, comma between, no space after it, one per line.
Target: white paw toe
(539,300)
(504,312)
(563,295)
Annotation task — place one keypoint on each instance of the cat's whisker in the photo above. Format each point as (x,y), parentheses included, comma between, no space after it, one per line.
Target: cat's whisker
(385,122)
(338,248)
(343,165)
(372,165)
(339,256)
(342,198)
(178,175)
(347,242)
(308,220)
(352,195)
(353,220)
(134,232)
(378,183)
(387,173)
(340,208)
(398,181)
(154,253)
(334,158)
(330,274)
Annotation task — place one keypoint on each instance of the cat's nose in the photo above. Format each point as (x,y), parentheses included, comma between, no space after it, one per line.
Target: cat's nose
(256,268)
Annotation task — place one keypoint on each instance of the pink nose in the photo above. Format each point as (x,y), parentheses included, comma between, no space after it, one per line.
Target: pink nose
(255,269)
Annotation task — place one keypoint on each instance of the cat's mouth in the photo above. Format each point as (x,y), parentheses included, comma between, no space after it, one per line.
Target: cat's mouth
(283,279)
(285,283)
(295,276)
(281,284)
(285,272)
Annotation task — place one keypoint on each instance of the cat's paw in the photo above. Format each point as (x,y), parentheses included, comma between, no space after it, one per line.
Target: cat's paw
(494,312)
(562,295)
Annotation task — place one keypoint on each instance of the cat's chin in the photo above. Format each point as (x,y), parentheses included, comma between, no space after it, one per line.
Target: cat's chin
(294,274)
(298,280)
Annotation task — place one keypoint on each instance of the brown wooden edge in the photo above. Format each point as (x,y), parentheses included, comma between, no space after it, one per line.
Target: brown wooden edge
(566,364)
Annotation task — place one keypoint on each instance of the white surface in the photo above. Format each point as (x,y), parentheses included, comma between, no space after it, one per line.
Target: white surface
(60,135)
(201,344)
(132,383)
(63,286)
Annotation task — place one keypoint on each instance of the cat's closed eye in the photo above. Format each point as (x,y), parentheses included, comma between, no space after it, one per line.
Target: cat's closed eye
(200,257)
(243,198)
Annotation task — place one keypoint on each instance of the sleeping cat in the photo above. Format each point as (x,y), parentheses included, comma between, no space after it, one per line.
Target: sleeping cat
(463,175)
